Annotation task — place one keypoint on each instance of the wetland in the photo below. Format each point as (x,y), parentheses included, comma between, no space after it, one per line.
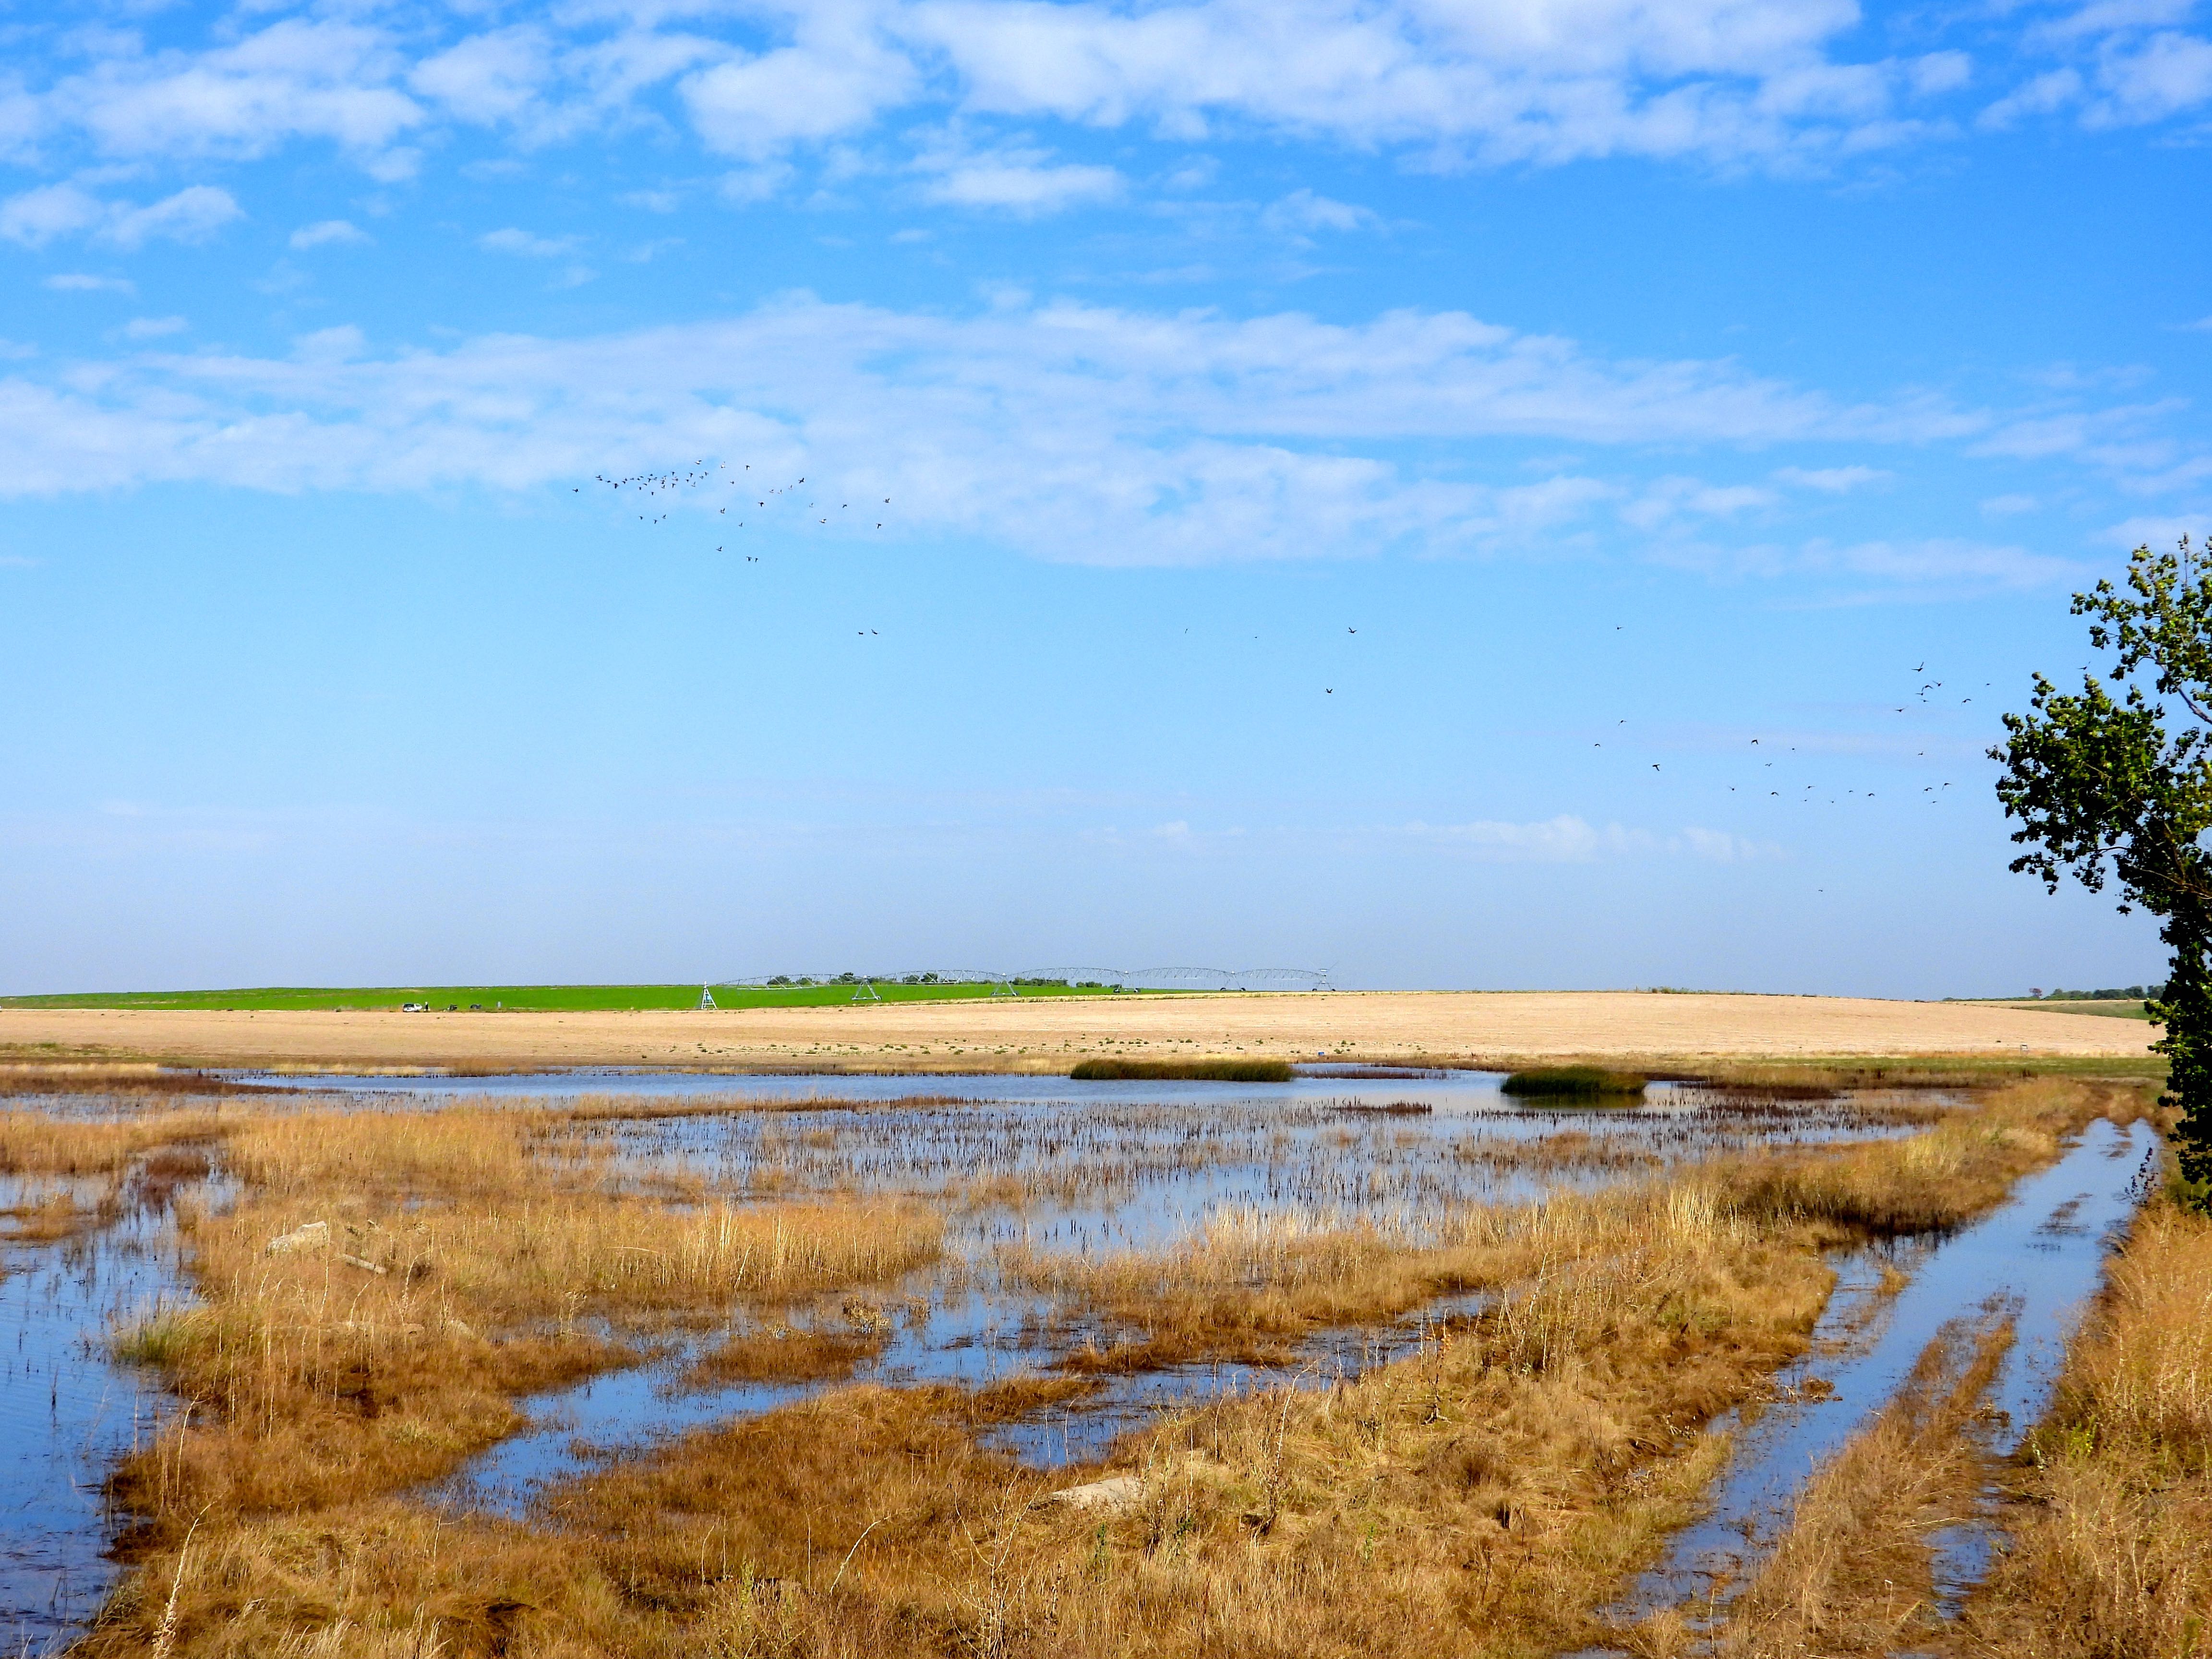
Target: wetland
(1367,1360)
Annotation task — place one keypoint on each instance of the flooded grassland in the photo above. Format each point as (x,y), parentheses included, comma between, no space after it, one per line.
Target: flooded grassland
(1026,1367)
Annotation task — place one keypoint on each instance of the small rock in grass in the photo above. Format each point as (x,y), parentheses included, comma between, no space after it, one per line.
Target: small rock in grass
(307,1236)
(1114,1492)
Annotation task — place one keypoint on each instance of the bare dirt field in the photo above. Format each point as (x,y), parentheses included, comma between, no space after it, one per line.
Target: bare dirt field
(1017,1035)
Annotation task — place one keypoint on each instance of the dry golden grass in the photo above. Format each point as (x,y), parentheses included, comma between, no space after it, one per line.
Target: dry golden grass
(34,1143)
(1481,1496)
(2112,1520)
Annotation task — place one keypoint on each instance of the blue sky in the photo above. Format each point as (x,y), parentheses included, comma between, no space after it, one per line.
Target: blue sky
(1637,381)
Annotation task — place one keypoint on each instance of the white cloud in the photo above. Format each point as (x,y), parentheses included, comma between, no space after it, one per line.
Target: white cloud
(1831,480)
(525,245)
(488,77)
(1303,210)
(2167,74)
(838,76)
(1665,500)
(296,79)
(1568,839)
(2161,532)
(190,215)
(1536,80)
(1939,560)
(325,232)
(2003,507)
(1069,432)
(152,328)
(38,216)
(1024,181)
(78,282)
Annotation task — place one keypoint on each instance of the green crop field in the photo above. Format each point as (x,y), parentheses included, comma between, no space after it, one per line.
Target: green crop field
(557,998)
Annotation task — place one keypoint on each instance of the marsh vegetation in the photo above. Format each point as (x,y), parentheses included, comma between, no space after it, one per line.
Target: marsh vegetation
(1053,1376)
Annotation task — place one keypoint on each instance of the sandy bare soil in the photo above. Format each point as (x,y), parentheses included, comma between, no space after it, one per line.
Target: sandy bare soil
(1039,1035)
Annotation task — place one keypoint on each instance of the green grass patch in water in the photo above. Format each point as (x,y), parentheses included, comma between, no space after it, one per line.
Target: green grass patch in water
(1577,1083)
(1215,1071)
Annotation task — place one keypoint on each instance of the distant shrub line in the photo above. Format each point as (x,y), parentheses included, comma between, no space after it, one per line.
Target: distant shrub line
(2112,993)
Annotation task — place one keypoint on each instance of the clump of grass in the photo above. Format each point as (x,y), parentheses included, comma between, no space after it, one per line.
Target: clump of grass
(1577,1082)
(1213,1071)
(782,1354)
(34,1143)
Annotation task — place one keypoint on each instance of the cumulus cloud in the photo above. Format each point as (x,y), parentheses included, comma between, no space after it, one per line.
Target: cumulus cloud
(1541,81)
(298,78)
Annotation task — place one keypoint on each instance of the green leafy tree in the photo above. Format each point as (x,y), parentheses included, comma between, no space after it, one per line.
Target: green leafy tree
(2119,788)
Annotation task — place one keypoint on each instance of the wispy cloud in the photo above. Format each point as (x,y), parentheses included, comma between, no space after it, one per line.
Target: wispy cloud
(327,232)
(36,217)
(525,245)
(1569,839)
(1068,431)
(79,281)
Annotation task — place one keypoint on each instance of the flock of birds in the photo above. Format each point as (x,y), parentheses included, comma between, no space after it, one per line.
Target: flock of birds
(650,488)
(1812,795)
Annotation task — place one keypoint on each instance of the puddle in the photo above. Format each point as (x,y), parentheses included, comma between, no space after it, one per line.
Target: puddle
(68,1410)
(2039,1258)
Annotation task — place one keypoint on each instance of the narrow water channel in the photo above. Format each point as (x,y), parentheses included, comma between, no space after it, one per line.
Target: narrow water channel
(2037,1260)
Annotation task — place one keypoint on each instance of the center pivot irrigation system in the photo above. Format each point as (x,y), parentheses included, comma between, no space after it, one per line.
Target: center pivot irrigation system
(1077,979)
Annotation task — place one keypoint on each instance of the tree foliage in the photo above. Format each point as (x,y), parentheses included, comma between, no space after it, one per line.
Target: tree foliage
(2119,788)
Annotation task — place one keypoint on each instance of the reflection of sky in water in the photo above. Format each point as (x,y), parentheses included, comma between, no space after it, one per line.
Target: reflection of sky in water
(2038,1260)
